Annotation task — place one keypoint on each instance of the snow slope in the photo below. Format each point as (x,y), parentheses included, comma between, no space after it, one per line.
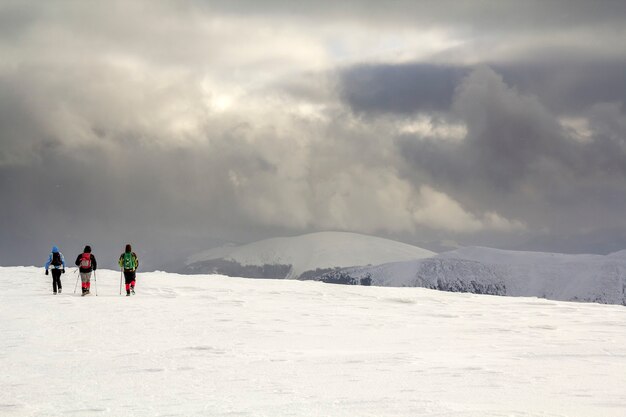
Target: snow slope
(216,346)
(619,255)
(554,276)
(308,252)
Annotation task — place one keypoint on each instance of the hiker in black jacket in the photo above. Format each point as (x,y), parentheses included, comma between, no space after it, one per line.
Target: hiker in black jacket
(86,263)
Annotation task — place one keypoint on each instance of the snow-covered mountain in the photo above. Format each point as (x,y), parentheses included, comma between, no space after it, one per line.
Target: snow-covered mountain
(217,346)
(594,278)
(350,258)
(301,256)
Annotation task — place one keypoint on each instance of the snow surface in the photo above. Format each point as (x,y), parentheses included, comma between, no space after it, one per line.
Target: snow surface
(620,255)
(216,346)
(316,250)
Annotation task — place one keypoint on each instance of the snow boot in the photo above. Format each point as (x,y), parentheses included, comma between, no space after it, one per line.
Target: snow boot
(60,290)
(132,290)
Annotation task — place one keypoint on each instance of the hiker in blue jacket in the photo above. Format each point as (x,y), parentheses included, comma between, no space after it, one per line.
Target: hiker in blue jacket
(57,262)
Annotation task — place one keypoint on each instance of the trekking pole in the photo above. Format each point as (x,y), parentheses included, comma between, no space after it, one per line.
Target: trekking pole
(121,277)
(77,276)
(95,281)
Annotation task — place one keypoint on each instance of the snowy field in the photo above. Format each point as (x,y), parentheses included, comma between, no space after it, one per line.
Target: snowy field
(215,346)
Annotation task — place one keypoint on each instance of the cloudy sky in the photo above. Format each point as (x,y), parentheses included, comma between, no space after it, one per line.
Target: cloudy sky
(180,125)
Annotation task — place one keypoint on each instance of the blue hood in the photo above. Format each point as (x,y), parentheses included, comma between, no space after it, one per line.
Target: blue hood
(55,249)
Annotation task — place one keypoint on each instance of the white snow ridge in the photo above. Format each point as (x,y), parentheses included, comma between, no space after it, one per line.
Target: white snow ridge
(591,278)
(207,345)
(291,257)
(360,259)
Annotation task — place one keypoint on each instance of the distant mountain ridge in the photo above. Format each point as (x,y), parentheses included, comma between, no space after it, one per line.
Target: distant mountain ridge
(350,258)
(592,278)
(302,256)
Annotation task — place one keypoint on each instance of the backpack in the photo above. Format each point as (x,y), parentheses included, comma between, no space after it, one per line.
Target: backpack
(129,261)
(85,261)
(56,259)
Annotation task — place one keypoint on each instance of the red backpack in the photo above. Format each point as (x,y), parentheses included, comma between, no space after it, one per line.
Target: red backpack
(85,261)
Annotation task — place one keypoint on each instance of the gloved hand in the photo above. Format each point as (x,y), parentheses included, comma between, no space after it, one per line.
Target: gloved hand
(63,271)
(46,272)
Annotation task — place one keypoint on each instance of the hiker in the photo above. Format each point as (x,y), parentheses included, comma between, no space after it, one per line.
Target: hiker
(57,262)
(86,263)
(129,262)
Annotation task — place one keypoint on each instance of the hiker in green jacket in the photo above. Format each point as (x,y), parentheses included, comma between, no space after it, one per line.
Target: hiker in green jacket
(129,262)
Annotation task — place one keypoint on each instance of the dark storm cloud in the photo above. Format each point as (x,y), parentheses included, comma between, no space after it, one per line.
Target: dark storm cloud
(480,15)
(14,19)
(518,158)
(402,89)
(506,132)
(569,85)
(477,17)
(564,85)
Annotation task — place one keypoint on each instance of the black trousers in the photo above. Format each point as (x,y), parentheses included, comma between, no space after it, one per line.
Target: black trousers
(129,276)
(56,279)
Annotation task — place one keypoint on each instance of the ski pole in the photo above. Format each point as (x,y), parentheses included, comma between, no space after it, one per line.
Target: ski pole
(77,276)
(95,281)
(121,277)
